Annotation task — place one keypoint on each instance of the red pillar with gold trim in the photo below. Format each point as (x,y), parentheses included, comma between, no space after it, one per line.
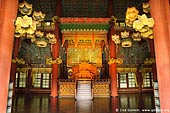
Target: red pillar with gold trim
(9,12)
(55,54)
(112,46)
(161,13)
(112,68)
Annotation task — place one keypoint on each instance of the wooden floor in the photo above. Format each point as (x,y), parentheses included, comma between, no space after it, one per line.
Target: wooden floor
(125,103)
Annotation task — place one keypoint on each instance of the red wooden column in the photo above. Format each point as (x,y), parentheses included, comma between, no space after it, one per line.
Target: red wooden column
(161,14)
(112,46)
(112,68)
(14,65)
(55,54)
(9,12)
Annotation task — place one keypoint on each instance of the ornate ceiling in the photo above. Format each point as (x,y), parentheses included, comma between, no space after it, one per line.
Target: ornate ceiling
(84,8)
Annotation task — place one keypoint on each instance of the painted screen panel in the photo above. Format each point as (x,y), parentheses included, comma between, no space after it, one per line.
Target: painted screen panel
(89,55)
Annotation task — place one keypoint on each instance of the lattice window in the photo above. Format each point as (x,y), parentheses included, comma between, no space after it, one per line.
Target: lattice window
(123,81)
(37,80)
(46,81)
(131,80)
(148,79)
(20,80)
(42,80)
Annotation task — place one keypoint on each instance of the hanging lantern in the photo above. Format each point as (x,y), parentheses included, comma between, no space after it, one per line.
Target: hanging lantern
(38,16)
(25,8)
(30,36)
(146,7)
(51,38)
(126,42)
(38,33)
(124,34)
(41,42)
(136,36)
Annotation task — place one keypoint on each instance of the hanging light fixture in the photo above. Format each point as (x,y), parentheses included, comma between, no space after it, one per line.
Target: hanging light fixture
(51,38)
(136,36)
(39,33)
(146,7)
(126,40)
(41,42)
(25,8)
(38,16)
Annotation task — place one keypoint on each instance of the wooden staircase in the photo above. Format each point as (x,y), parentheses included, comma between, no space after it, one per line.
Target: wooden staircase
(84,90)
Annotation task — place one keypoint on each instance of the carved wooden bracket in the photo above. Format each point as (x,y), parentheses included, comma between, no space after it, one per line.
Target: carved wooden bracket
(18,61)
(115,60)
(50,61)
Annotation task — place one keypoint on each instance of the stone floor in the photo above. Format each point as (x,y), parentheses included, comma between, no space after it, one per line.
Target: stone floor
(125,103)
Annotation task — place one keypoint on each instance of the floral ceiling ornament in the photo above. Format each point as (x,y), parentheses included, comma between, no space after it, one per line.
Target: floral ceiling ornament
(24,25)
(116,39)
(115,60)
(146,7)
(25,8)
(50,61)
(131,15)
(136,36)
(51,38)
(144,25)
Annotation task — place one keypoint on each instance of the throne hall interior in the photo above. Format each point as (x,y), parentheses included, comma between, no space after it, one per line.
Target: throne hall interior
(101,56)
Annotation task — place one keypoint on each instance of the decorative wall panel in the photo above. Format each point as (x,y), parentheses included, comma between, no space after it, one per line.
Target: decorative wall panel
(67,89)
(101,88)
